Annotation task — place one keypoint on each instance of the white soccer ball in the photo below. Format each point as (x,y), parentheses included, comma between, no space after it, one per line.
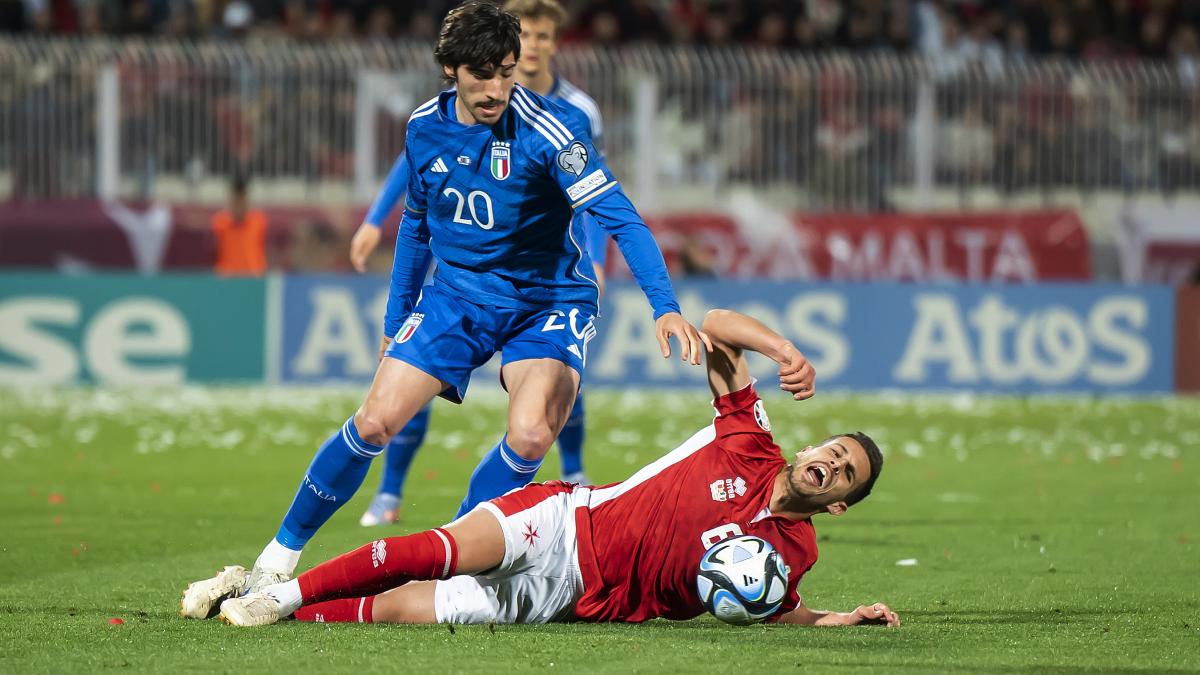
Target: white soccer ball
(742,580)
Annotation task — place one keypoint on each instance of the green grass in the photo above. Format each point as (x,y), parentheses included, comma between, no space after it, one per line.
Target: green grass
(1050,534)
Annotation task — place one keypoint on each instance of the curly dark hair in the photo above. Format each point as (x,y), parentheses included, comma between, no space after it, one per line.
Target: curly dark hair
(477,34)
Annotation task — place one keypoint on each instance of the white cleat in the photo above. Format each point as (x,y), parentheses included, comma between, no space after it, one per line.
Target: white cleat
(261,577)
(200,598)
(254,609)
(383,510)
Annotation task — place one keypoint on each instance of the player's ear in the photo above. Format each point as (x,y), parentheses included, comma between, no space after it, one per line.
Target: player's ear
(837,508)
(449,73)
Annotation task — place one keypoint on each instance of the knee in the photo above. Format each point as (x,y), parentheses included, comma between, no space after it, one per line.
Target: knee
(372,428)
(530,439)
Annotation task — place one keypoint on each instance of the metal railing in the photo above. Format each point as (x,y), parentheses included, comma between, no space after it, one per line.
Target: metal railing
(684,127)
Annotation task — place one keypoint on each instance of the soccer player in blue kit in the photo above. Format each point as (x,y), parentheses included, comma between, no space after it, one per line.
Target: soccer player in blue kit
(541,22)
(496,173)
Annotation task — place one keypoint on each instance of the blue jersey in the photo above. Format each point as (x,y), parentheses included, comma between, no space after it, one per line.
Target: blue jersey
(494,205)
(587,115)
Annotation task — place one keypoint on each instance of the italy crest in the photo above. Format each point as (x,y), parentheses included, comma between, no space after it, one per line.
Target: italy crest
(501,160)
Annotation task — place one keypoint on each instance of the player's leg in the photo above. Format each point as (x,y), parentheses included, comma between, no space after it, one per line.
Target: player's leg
(541,392)
(398,458)
(335,474)
(399,391)
(570,444)
(470,545)
(410,603)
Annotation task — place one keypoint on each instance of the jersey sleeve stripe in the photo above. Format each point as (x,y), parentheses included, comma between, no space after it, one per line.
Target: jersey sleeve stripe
(409,207)
(690,447)
(594,193)
(542,114)
(533,122)
(424,109)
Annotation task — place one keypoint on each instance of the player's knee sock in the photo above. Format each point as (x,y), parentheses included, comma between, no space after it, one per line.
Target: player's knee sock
(346,610)
(570,440)
(334,476)
(501,470)
(401,451)
(379,566)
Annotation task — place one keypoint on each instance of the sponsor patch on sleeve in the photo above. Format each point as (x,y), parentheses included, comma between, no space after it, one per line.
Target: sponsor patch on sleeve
(587,185)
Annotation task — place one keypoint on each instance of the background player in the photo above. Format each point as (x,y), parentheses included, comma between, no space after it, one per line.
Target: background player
(637,544)
(495,177)
(541,23)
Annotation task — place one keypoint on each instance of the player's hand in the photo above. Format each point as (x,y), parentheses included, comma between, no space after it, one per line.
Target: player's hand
(383,345)
(691,341)
(796,374)
(877,614)
(363,244)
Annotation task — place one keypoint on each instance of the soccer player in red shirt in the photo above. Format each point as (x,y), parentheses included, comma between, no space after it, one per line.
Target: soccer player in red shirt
(629,551)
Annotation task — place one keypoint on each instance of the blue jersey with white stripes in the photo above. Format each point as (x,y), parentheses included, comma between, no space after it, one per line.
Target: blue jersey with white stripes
(587,114)
(494,204)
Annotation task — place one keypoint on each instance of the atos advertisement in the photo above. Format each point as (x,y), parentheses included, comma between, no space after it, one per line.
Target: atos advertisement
(1015,338)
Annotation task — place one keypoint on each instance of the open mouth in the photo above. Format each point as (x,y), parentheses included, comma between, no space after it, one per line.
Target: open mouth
(816,475)
(491,107)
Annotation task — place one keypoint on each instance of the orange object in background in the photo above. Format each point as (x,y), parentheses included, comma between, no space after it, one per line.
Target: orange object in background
(241,245)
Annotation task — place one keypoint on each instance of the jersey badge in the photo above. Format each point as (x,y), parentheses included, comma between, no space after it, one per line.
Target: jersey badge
(574,159)
(726,489)
(411,324)
(530,534)
(439,166)
(760,416)
(501,160)
(464,160)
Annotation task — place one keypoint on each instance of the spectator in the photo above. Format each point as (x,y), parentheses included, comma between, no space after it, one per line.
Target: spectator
(241,234)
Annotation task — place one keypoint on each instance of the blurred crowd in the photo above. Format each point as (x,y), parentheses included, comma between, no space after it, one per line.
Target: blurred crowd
(846,129)
(987,29)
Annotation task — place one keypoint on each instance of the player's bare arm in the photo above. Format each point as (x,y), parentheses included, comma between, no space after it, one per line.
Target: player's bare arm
(363,244)
(877,614)
(731,333)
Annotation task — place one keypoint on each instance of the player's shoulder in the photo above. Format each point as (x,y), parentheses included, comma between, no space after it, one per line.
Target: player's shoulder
(578,99)
(546,122)
(425,114)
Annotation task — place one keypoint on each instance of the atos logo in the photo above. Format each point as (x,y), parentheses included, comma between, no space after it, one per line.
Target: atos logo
(727,488)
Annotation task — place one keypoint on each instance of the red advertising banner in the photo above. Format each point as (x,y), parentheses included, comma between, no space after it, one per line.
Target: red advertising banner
(751,242)
(964,247)
(1187,338)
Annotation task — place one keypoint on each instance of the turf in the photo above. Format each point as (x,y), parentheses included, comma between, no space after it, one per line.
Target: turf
(1048,534)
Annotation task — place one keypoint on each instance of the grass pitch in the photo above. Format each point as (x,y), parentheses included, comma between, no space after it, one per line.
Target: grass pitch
(1048,534)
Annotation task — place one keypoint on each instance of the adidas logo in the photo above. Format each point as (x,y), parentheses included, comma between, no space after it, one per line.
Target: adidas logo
(439,166)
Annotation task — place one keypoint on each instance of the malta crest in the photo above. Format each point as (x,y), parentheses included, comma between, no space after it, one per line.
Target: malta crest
(411,324)
(501,160)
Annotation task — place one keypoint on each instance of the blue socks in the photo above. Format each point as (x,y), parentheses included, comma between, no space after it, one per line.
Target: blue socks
(570,440)
(336,472)
(401,451)
(500,471)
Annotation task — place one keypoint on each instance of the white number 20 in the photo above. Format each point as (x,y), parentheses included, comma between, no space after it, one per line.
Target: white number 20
(470,202)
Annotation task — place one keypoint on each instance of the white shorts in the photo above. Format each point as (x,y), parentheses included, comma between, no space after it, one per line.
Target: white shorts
(538,580)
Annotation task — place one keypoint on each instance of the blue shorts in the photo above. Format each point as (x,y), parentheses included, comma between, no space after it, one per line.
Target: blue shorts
(449,337)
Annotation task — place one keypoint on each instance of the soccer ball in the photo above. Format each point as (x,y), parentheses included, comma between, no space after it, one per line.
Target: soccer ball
(742,580)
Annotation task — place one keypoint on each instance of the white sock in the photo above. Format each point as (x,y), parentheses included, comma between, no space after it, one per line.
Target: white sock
(278,558)
(287,595)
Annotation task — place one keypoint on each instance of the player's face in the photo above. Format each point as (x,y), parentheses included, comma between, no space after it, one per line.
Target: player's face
(539,43)
(483,91)
(828,473)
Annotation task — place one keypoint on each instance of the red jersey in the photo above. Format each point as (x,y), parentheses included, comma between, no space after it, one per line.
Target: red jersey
(640,541)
